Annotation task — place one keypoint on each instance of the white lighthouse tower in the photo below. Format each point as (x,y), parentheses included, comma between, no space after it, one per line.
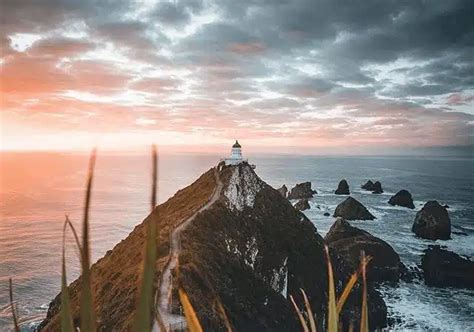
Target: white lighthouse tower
(235,156)
(236,153)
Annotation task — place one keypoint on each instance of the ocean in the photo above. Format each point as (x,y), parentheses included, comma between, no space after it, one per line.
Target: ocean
(38,189)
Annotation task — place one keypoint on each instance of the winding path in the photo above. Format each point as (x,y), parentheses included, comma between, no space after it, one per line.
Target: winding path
(163,294)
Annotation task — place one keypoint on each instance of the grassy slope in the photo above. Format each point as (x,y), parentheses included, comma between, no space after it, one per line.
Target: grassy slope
(116,276)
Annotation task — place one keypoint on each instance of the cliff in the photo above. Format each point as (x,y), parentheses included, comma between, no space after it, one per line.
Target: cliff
(243,246)
(116,276)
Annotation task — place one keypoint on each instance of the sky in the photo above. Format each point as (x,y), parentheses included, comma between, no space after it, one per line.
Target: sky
(288,76)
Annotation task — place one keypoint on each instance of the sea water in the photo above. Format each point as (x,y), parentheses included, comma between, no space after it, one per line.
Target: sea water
(38,189)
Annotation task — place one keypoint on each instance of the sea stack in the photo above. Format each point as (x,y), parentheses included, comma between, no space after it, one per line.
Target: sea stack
(374,187)
(301,190)
(342,188)
(432,222)
(377,188)
(352,209)
(402,198)
(368,185)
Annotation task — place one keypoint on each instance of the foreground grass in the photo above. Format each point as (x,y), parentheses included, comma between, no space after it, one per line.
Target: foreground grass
(144,318)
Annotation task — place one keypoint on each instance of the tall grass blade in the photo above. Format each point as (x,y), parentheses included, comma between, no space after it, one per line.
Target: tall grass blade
(364,321)
(350,284)
(143,315)
(223,315)
(312,323)
(66,316)
(12,305)
(333,319)
(191,317)
(88,321)
(347,290)
(300,315)
(76,238)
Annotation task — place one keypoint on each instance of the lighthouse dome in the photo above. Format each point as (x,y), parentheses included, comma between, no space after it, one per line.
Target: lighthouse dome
(236,145)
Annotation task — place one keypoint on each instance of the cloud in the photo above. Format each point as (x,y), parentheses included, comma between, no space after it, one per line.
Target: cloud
(282,72)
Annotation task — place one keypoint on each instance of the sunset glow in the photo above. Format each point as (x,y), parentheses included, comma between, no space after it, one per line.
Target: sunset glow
(196,75)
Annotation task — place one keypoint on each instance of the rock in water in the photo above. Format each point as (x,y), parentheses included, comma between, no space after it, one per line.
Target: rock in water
(377,188)
(352,209)
(250,249)
(432,222)
(302,205)
(349,241)
(302,190)
(283,190)
(374,187)
(368,185)
(443,268)
(342,188)
(402,198)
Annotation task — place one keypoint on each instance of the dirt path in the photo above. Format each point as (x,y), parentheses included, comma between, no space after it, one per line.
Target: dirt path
(163,295)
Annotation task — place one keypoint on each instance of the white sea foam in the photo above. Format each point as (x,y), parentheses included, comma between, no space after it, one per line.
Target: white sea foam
(417,307)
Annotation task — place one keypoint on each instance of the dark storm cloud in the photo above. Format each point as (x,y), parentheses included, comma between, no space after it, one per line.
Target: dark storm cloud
(381,61)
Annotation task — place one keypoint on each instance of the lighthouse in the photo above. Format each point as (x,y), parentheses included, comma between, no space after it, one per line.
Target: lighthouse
(236,153)
(235,156)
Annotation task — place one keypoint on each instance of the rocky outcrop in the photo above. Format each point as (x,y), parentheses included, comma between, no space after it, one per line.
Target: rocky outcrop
(248,250)
(342,188)
(302,205)
(283,190)
(432,222)
(349,241)
(368,185)
(374,187)
(377,188)
(352,209)
(301,190)
(402,198)
(443,268)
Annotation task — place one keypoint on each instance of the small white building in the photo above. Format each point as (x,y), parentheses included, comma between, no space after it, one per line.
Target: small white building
(235,155)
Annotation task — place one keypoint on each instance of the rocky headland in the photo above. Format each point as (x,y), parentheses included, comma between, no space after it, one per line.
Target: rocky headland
(243,245)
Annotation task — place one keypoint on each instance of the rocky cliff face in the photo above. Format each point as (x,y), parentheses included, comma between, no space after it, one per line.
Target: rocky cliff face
(251,249)
(248,251)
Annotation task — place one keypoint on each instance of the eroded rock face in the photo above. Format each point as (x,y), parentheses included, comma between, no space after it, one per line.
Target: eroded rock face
(352,209)
(301,190)
(402,198)
(342,188)
(349,241)
(432,222)
(443,268)
(283,190)
(302,205)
